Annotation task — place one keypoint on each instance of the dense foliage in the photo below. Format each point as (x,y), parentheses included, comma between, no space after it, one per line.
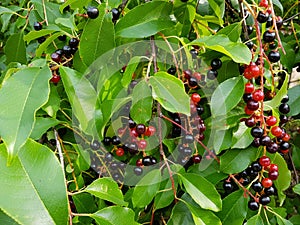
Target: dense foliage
(149,112)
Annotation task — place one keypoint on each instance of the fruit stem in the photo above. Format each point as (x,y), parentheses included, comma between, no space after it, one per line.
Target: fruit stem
(241,186)
(172,51)
(275,26)
(45,12)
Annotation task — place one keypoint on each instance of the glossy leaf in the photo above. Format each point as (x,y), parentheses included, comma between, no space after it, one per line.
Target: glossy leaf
(145,20)
(202,191)
(238,52)
(242,138)
(275,102)
(129,71)
(146,189)
(282,221)
(255,220)
(218,8)
(294,100)
(107,189)
(15,49)
(141,107)
(5,219)
(115,215)
(200,216)
(234,209)
(85,203)
(30,88)
(180,215)
(220,139)
(97,37)
(284,179)
(226,96)
(232,31)
(82,96)
(236,160)
(185,14)
(33,185)
(169,92)
(41,125)
(53,104)
(32,35)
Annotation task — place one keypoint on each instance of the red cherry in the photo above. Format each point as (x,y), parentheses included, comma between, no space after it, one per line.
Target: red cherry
(264,3)
(249,88)
(195,98)
(248,111)
(271,121)
(267,182)
(120,152)
(55,78)
(197,75)
(142,144)
(264,161)
(251,71)
(133,133)
(276,131)
(273,167)
(284,151)
(258,95)
(286,137)
(150,131)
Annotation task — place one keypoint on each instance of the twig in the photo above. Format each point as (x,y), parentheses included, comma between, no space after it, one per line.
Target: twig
(161,150)
(60,153)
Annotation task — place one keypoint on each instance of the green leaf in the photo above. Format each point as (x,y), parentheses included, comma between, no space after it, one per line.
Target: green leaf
(165,196)
(32,35)
(41,125)
(294,100)
(295,220)
(185,14)
(146,189)
(53,104)
(30,88)
(276,101)
(226,96)
(33,189)
(221,139)
(52,10)
(82,96)
(180,215)
(15,49)
(284,178)
(5,219)
(234,209)
(85,203)
(278,4)
(238,52)
(296,189)
(145,20)
(202,191)
(141,108)
(106,188)
(242,138)
(130,69)
(43,47)
(236,160)
(115,215)
(170,93)
(282,221)
(218,9)
(200,216)
(255,220)
(232,31)
(98,37)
